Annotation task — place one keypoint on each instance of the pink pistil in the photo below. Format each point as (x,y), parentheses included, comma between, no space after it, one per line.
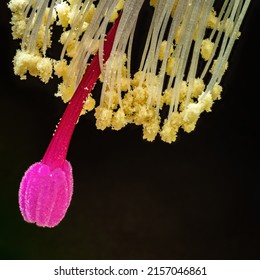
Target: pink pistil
(47,186)
(58,147)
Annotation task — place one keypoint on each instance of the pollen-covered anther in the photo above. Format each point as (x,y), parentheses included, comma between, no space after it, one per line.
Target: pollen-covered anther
(62,8)
(140,95)
(89,104)
(34,64)
(143,114)
(61,69)
(206,49)
(216,92)
(163,49)
(151,128)
(18,20)
(118,119)
(198,87)
(223,70)
(168,93)
(65,92)
(212,19)
(206,102)
(45,69)
(116,11)
(170,64)
(191,115)
(111,99)
(171,127)
(103,117)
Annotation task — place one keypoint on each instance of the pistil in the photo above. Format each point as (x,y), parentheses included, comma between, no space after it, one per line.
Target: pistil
(47,186)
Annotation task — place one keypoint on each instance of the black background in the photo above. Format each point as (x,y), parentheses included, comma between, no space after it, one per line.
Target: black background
(198,198)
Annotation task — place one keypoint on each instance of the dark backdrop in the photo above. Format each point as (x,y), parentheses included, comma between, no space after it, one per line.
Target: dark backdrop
(198,198)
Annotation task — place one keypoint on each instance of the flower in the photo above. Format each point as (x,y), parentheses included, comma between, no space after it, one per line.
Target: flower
(179,76)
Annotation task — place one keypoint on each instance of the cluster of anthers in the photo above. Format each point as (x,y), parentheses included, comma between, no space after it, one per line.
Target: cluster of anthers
(184,58)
